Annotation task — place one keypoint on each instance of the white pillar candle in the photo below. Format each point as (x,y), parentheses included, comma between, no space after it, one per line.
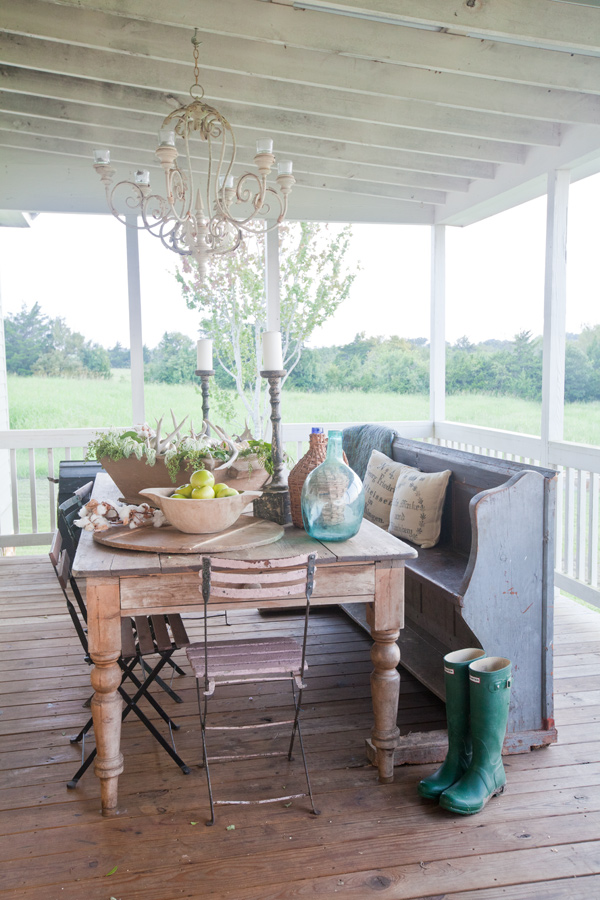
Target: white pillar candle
(204,357)
(272,353)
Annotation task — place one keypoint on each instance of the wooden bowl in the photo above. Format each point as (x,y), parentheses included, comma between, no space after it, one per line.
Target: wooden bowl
(200,516)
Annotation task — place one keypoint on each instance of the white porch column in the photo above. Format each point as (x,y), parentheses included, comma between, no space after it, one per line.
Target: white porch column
(136,343)
(555,307)
(6,521)
(272,280)
(437,337)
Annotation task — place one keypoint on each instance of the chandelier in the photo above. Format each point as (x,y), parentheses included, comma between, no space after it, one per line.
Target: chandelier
(200,220)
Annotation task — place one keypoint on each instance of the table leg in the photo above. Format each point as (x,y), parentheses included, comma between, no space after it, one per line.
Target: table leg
(385,619)
(104,637)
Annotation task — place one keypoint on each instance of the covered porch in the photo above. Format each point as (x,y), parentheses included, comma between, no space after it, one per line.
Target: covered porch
(431,114)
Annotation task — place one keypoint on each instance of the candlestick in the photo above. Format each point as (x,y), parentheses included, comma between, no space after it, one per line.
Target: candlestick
(205,375)
(275,501)
(272,353)
(204,354)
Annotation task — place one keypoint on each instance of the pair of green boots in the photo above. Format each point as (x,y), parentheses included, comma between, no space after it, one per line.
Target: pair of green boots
(477,701)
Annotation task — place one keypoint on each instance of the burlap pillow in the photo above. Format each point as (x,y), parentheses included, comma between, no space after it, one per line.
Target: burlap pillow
(417,505)
(379,484)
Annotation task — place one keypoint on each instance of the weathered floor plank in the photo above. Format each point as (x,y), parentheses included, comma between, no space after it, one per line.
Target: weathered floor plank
(538,840)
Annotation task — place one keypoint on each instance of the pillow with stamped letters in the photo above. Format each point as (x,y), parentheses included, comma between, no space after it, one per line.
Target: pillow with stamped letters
(416,513)
(379,484)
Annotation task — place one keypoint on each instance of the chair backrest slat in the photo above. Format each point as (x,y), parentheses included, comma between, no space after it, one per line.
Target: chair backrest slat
(55,549)
(256,593)
(284,563)
(280,577)
(63,569)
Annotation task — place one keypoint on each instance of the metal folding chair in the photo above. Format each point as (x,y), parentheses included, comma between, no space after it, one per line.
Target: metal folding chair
(141,636)
(68,511)
(256,659)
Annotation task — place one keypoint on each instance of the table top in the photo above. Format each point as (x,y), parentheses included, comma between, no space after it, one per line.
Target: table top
(371,544)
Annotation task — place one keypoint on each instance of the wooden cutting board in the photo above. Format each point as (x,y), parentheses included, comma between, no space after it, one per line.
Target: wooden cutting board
(247,532)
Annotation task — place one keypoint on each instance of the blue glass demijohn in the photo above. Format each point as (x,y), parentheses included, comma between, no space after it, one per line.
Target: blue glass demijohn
(333,497)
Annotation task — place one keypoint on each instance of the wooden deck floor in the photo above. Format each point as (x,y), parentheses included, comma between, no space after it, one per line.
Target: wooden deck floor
(540,840)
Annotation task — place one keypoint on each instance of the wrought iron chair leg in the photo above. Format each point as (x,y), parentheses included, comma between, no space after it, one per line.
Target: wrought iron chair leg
(202,715)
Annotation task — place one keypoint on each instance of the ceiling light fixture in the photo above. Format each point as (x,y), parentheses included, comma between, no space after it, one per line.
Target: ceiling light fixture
(201,221)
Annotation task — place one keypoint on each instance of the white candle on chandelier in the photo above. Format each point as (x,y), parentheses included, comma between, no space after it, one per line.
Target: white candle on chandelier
(264,145)
(272,352)
(142,176)
(166,136)
(101,157)
(204,354)
(285,167)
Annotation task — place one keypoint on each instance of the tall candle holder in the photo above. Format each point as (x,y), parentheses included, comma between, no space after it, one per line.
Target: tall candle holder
(204,375)
(275,501)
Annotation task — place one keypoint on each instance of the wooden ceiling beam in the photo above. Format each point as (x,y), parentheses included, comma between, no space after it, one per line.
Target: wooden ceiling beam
(285,27)
(575,29)
(43,181)
(112,100)
(136,152)
(291,66)
(65,59)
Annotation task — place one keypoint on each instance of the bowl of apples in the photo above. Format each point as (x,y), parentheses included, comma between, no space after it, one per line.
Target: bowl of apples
(201,506)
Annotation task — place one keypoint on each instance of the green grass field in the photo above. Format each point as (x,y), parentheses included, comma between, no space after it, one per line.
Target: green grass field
(60,403)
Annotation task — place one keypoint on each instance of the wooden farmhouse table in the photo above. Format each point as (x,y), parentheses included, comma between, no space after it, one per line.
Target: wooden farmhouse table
(367,568)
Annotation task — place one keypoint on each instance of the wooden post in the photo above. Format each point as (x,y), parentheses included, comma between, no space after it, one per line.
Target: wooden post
(555,308)
(104,636)
(385,618)
(437,336)
(138,407)
(6,510)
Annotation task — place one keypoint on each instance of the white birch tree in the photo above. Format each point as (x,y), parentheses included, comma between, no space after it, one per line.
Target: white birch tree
(315,280)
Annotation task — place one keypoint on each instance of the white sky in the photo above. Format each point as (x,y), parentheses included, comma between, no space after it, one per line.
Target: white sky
(74,266)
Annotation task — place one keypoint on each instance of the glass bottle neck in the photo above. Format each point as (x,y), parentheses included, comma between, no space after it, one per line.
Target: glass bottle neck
(334,445)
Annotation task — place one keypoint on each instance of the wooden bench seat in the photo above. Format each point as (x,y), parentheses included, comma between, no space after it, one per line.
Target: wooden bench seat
(488,583)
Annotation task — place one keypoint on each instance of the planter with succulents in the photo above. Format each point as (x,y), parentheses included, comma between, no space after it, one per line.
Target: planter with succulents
(140,457)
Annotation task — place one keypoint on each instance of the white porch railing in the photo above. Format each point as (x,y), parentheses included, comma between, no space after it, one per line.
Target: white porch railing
(32,457)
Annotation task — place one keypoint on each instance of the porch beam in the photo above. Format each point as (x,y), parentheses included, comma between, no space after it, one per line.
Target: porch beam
(136,342)
(93,125)
(535,22)
(95,106)
(60,179)
(437,331)
(172,78)
(555,306)
(286,28)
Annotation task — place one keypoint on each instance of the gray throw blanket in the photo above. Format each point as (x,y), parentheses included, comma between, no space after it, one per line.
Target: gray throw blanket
(359,440)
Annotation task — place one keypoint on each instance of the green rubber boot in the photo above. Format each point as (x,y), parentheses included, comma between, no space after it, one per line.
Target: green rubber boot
(456,677)
(489,684)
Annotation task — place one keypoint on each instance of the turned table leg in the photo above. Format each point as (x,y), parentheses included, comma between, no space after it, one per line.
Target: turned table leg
(386,617)
(104,637)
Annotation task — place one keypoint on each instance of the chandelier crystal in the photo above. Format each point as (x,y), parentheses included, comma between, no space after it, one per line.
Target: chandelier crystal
(191,218)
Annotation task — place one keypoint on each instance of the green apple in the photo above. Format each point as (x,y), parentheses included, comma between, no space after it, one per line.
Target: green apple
(201,478)
(229,492)
(177,497)
(203,493)
(220,487)
(185,490)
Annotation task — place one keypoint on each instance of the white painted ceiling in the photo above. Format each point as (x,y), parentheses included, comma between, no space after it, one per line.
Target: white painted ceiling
(392,110)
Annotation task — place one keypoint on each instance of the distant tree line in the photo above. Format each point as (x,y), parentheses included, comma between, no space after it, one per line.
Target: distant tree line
(493,367)
(37,345)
